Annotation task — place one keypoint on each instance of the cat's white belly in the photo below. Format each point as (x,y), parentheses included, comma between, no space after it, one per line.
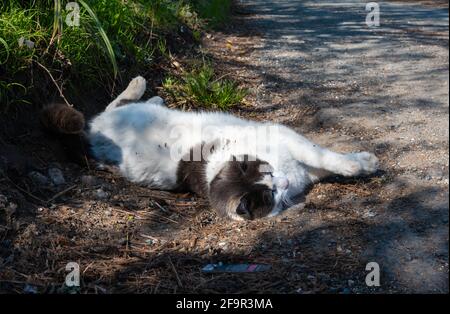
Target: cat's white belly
(297,176)
(155,169)
(136,141)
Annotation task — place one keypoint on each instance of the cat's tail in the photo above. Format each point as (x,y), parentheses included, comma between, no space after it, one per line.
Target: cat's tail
(68,126)
(62,119)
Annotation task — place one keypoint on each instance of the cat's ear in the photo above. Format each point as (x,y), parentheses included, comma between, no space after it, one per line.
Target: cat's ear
(243,208)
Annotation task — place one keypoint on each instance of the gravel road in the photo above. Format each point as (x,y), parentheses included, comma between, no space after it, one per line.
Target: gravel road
(384,89)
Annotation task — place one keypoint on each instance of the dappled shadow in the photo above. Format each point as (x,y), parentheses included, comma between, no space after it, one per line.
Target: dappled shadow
(326,258)
(313,51)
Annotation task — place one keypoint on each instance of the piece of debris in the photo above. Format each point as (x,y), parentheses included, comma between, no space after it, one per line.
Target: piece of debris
(30,289)
(56,176)
(369,214)
(150,242)
(22,41)
(235,268)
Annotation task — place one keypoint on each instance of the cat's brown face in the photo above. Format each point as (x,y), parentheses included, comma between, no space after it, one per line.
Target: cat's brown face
(244,190)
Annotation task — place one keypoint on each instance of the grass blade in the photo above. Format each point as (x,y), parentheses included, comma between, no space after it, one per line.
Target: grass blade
(57,20)
(7,50)
(105,38)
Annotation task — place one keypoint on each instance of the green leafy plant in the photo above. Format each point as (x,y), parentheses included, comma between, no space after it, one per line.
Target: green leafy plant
(200,88)
(114,37)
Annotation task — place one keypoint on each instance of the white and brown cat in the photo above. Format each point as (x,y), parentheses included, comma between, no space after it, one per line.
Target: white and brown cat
(246,169)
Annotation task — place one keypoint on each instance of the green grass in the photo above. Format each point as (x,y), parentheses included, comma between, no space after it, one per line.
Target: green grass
(116,39)
(201,88)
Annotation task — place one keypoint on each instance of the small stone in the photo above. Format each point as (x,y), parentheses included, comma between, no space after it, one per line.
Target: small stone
(38,178)
(89,180)
(56,176)
(3,201)
(123,241)
(101,195)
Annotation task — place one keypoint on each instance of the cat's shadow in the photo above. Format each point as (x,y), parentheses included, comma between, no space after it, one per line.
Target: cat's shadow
(300,201)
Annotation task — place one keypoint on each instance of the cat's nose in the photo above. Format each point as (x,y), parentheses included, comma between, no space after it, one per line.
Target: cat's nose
(281,183)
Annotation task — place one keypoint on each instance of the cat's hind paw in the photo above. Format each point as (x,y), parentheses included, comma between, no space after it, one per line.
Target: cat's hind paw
(136,88)
(355,164)
(369,162)
(363,163)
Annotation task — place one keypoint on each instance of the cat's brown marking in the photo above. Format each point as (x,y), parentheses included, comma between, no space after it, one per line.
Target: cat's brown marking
(61,118)
(235,190)
(191,174)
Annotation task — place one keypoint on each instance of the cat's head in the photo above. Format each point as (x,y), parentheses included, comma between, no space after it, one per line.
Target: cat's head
(247,189)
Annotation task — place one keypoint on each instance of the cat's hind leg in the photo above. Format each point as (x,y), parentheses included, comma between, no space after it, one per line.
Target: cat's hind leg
(133,92)
(324,162)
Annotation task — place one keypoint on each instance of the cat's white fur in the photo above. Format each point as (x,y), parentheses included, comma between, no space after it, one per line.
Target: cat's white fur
(140,137)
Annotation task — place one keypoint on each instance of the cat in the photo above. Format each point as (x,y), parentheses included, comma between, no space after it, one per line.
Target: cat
(246,169)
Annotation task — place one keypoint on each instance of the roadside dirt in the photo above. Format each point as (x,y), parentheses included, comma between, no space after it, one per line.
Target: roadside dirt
(317,67)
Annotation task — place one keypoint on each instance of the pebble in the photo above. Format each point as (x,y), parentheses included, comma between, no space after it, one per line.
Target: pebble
(56,176)
(38,178)
(101,195)
(89,180)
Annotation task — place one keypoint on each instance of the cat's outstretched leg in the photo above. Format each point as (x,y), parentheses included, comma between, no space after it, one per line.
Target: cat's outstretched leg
(134,91)
(324,161)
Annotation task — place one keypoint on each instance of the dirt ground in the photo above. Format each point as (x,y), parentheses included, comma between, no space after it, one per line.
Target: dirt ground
(317,67)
